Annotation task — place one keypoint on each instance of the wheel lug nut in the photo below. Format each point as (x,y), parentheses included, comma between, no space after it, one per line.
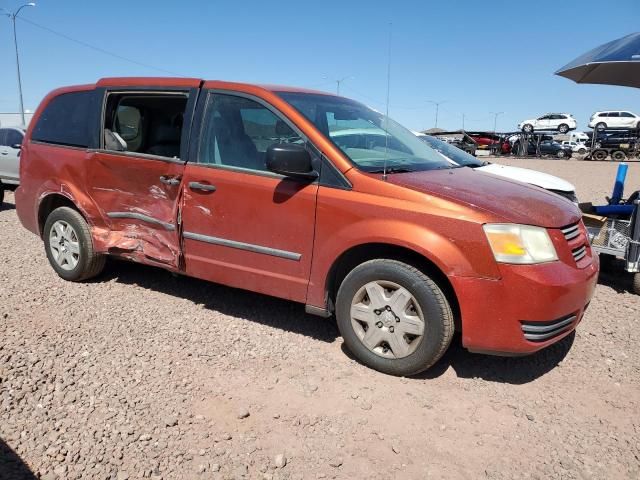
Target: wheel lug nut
(379,324)
(377,312)
(397,319)
(391,329)
(388,308)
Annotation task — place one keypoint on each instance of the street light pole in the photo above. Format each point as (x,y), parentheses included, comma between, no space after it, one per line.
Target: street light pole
(13,17)
(339,81)
(437,104)
(495,120)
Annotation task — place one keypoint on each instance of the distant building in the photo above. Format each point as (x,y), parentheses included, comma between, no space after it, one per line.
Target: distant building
(8,119)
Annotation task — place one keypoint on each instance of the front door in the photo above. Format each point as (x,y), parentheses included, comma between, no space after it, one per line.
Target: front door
(244,226)
(135,178)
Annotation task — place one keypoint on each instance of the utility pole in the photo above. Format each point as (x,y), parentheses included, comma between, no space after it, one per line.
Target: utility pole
(13,17)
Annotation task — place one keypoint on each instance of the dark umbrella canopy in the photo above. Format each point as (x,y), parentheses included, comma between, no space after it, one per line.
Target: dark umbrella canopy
(614,63)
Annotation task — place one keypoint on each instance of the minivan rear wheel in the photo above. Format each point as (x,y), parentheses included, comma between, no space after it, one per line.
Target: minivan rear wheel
(69,247)
(393,317)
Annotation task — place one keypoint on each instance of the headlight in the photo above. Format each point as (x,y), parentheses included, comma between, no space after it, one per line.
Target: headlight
(521,244)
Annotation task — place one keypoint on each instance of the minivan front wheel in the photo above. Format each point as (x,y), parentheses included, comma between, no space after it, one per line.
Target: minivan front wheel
(393,317)
(69,247)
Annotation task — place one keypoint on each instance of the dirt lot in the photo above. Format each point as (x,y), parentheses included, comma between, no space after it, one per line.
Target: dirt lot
(143,374)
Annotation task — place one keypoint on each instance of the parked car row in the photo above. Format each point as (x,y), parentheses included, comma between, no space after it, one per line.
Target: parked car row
(564,122)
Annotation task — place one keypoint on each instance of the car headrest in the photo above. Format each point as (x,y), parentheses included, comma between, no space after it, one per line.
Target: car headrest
(167,134)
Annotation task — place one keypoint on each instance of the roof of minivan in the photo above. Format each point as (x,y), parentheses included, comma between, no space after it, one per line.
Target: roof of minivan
(192,83)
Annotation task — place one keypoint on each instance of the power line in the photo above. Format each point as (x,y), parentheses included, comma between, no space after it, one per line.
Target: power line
(97,49)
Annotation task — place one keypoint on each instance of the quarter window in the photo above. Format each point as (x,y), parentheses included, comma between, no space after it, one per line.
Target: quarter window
(626,115)
(238,131)
(66,120)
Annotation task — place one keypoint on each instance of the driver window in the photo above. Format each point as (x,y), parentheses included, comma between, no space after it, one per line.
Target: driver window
(238,131)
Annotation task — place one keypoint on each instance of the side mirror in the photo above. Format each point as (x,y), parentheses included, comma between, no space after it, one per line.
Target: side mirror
(290,160)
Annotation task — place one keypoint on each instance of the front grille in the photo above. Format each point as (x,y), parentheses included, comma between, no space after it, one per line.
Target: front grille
(543,331)
(577,241)
(579,253)
(571,232)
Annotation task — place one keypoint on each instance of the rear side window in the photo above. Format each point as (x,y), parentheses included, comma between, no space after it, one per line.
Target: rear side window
(14,137)
(66,120)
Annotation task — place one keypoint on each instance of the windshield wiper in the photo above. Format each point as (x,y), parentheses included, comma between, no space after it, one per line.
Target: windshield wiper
(392,170)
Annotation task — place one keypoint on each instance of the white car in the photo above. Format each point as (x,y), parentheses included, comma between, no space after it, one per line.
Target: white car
(10,142)
(577,147)
(562,122)
(614,119)
(544,180)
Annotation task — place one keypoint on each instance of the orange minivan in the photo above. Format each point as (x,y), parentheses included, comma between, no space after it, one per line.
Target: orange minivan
(310,197)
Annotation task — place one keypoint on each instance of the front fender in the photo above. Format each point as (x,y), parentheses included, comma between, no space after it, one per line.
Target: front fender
(463,255)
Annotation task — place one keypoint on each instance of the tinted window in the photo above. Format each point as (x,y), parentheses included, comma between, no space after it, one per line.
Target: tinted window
(3,137)
(14,137)
(66,120)
(238,131)
(626,114)
(613,114)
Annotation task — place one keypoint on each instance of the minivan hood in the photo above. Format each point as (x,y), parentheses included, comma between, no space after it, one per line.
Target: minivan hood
(511,201)
(526,175)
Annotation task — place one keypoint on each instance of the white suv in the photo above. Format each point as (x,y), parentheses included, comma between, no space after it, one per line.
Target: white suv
(562,122)
(614,119)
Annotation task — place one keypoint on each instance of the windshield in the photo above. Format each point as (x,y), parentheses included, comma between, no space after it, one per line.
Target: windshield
(368,138)
(452,152)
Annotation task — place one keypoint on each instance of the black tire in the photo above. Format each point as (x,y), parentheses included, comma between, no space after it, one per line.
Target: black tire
(618,156)
(1,194)
(527,128)
(582,151)
(438,318)
(601,126)
(600,155)
(636,283)
(563,128)
(561,154)
(90,263)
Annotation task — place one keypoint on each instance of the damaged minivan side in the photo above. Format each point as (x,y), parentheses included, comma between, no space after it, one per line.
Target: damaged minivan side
(280,191)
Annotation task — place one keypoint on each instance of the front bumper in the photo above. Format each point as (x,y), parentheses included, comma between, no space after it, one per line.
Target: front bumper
(529,308)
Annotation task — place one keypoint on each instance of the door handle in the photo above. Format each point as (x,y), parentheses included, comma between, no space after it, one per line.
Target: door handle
(5,153)
(205,187)
(170,180)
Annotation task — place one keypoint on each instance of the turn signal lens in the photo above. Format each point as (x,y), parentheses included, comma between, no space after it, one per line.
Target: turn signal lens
(520,244)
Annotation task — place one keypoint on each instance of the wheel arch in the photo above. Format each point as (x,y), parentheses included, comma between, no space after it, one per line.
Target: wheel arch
(361,253)
(49,203)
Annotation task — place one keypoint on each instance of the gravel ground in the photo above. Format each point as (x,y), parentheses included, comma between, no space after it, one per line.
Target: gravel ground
(141,374)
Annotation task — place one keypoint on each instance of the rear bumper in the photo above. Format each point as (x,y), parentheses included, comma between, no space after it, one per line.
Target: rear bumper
(528,309)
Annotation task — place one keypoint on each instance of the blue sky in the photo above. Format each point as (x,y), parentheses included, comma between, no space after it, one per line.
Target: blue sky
(481,57)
